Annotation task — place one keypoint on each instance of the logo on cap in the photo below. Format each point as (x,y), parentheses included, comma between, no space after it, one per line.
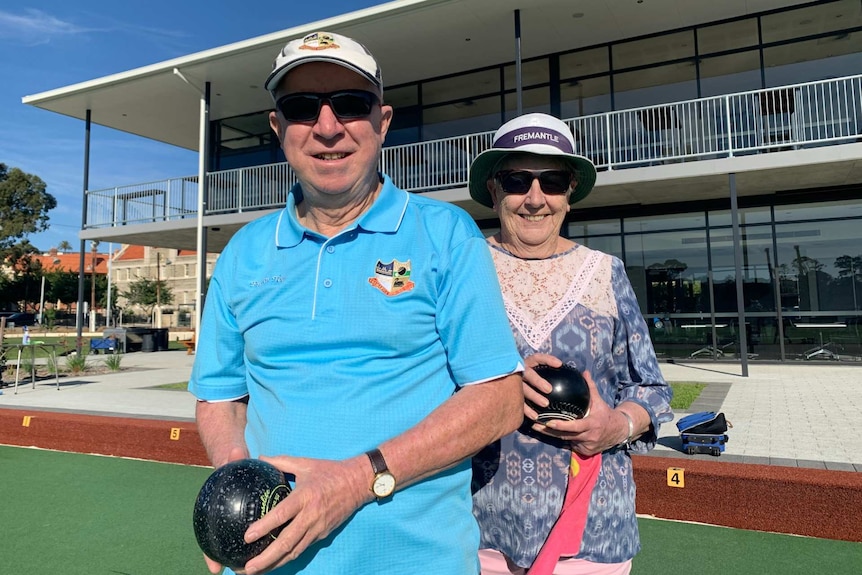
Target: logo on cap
(318,41)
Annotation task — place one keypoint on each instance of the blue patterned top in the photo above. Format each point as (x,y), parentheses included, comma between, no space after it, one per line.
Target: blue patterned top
(580,307)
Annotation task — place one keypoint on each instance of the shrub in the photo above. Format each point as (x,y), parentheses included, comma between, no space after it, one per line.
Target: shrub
(76,363)
(113,361)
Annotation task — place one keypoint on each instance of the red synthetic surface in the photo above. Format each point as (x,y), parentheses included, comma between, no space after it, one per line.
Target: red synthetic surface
(120,436)
(813,502)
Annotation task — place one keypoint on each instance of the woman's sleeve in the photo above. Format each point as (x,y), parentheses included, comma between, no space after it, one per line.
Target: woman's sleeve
(639,378)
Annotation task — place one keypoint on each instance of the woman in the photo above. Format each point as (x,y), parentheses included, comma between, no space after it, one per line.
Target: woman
(560,498)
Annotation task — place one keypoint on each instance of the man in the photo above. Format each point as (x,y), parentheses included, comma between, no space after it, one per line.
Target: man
(337,333)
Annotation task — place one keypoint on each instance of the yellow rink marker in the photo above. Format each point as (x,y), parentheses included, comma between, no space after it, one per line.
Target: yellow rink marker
(676,477)
(175,434)
(26,422)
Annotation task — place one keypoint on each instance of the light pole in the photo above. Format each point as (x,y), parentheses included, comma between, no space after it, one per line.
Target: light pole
(93,246)
(158,289)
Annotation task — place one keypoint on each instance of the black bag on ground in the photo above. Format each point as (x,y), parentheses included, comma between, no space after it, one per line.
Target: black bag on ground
(704,422)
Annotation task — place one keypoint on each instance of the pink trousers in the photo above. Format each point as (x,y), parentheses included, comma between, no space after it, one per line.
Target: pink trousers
(495,563)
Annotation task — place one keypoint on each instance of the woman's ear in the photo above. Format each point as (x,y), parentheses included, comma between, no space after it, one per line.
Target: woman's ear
(492,190)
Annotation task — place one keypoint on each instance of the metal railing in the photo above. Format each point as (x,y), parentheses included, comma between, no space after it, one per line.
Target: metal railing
(798,116)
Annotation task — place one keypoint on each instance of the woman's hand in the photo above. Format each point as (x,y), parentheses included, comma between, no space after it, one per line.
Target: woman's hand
(602,429)
(532,382)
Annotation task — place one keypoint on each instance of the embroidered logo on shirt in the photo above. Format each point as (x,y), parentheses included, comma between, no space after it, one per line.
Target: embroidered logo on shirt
(392,278)
(267,280)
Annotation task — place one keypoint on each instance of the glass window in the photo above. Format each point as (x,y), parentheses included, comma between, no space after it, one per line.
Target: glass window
(668,271)
(402,96)
(247,131)
(532,72)
(461,86)
(612,245)
(596,228)
(748,216)
(727,36)
(811,20)
(660,223)
(585,97)
(757,289)
(738,72)
(584,63)
(843,209)
(535,100)
(465,117)
(811,60)
(819,266)
(653,50)
(660,85)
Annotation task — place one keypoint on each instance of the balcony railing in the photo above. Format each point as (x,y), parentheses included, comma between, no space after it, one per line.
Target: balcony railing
(806,115)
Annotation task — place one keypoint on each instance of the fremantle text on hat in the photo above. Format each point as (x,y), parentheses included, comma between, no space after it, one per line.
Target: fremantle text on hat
(538,134)
(324,47)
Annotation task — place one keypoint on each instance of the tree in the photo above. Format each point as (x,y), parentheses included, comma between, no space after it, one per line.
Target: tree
(65,246)
(62,287)
(25,274)
(24,206)
(142,293)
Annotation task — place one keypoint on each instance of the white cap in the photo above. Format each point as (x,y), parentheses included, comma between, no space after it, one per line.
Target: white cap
(324,47)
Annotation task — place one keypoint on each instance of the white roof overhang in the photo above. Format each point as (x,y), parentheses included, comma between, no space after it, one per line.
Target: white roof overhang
(412,39)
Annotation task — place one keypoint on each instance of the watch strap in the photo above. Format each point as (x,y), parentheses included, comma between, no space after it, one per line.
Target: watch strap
(378,463)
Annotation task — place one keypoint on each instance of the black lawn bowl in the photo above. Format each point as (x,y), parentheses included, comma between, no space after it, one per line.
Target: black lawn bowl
(569,398)
(232,498)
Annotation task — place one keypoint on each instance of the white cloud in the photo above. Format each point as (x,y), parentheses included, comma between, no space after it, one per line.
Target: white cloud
(34,27)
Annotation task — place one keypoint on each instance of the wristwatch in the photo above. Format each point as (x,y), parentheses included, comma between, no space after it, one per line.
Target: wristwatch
(383,483)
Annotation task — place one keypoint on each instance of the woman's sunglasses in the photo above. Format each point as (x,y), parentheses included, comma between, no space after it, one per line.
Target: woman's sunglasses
(520,181)
(346,104)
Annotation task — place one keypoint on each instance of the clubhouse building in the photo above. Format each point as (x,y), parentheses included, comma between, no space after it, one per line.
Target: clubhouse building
(728,138)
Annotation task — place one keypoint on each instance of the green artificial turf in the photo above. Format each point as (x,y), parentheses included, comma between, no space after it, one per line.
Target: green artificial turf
(671,547)
(69,514)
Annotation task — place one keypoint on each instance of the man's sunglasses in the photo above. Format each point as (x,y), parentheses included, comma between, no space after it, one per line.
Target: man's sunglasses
(346,104)
(520,181)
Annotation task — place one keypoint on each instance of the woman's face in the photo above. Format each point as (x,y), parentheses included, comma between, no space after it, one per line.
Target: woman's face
(530,222)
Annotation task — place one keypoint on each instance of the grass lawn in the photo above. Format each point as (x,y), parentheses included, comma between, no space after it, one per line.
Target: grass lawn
(684,393)
(181,385)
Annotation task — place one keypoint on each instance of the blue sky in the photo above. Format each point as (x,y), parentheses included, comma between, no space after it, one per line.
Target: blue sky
(51,44)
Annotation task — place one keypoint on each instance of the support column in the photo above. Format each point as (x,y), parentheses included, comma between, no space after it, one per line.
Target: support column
(203,154)
(79,312)
(737,264)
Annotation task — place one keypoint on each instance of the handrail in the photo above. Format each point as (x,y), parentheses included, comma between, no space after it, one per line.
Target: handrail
(795,116)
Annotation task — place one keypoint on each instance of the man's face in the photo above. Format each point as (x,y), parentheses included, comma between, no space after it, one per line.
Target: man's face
(331,156)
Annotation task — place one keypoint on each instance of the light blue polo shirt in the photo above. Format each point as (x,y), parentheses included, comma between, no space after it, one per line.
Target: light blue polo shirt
(343,343)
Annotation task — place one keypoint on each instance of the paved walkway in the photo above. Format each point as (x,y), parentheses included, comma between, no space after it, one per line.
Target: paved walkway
(801,415)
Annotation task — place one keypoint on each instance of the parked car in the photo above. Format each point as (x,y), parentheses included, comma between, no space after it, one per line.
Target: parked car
(20,319)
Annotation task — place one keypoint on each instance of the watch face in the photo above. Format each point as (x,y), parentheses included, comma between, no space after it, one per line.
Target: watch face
(384,484)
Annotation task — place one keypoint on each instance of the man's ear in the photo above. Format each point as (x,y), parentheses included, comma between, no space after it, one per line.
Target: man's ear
(275,125)
(386,113)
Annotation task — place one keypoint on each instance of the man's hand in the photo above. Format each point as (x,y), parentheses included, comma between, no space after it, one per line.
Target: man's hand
(326,494)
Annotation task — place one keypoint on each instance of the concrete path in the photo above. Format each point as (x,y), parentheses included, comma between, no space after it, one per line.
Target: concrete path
(796,414)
